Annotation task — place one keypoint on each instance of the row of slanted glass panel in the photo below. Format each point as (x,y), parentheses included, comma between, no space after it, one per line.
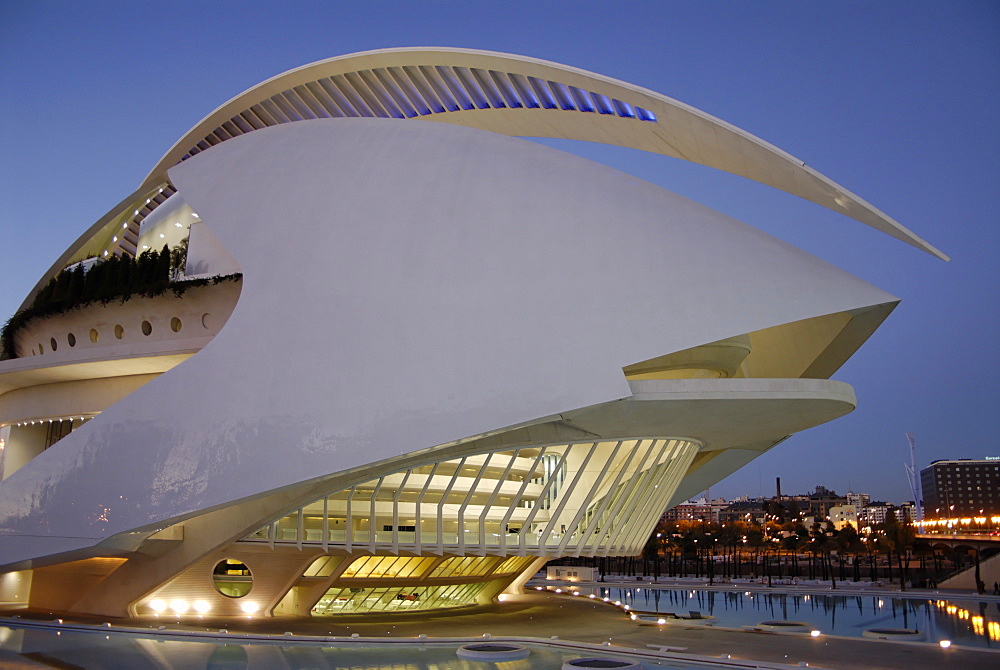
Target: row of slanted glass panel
(414,568)
(354,600)
(419,573)
(594,494)
(410,91)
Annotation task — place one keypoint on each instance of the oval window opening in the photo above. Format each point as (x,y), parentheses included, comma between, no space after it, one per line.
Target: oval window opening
(119,332)
(206,321)
(232,578)
(176,325)
(94,335)
(147,327)
(71,338)
(53,344)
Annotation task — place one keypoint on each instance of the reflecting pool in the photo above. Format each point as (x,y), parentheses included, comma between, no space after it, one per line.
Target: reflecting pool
(966,622)
(121,651)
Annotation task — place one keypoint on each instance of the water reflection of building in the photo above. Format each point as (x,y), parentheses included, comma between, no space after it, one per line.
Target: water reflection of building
(973,623)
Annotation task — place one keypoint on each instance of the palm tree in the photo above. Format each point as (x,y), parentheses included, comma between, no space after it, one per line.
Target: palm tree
(848,542)
(755,540)
(729,539)
(651,551)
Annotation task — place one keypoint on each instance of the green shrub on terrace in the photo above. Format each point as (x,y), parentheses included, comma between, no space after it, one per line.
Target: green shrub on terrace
(114,278)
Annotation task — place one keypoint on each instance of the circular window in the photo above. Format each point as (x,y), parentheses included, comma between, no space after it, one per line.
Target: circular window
(147,327)
(93,335)
(71,338)
(52,343)
(176,325)
(232,578)
(206,320)
(41,349)
(119,332)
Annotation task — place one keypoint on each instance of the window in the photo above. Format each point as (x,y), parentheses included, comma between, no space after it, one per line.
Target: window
(232,578)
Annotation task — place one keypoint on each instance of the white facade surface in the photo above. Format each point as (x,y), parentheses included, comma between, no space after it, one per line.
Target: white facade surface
(435,295)
(435,323)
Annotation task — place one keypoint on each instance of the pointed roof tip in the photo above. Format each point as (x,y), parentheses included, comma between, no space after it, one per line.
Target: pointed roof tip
(934,251)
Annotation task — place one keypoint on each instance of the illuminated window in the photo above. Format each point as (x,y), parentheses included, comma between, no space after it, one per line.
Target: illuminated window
(513,564)
(340,600)
(465,566)
(387,567)
(322,566)
(232,578)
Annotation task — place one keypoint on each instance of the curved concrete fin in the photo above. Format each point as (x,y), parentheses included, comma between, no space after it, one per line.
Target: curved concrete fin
(518,95)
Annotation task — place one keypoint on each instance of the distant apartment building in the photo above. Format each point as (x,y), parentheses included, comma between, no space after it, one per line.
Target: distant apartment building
(961,488)
(696,510)
(859,500)
(794,506)
(875,513)
(841,515)
(907,512)
(692,510)
(717,506)
(821,500)
(748,511)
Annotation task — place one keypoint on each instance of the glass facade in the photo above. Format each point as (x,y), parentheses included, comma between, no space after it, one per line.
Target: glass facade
(232,578)
(387,567)
(355,600)
(465,566)
(563,499)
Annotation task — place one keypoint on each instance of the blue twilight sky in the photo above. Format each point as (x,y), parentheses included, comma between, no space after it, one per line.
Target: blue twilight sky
(896,101)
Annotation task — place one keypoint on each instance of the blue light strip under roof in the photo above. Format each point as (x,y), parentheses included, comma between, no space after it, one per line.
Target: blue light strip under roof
(411,91)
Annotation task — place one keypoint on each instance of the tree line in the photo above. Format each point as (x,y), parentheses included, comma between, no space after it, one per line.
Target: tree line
(788,550)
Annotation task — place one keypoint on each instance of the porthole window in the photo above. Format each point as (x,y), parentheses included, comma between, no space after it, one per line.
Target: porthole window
(119,332)
(176,325)
(94,335)
(71,338)
(232,578)
(206,321)
(53,343)
(147,327)
(41,349)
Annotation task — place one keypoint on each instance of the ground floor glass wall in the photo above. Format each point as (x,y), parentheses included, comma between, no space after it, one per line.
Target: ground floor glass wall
(562,499)
(357,600)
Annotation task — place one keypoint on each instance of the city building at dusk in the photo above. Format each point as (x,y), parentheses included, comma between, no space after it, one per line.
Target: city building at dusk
(961,488)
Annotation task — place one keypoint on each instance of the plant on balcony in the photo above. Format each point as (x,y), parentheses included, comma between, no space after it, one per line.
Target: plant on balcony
(115,278)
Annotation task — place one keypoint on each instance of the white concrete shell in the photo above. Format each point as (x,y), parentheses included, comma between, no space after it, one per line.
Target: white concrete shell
(502,93)
(414,293)
(506,94)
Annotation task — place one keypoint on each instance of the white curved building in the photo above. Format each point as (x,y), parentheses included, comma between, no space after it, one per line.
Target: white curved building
(429,356)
